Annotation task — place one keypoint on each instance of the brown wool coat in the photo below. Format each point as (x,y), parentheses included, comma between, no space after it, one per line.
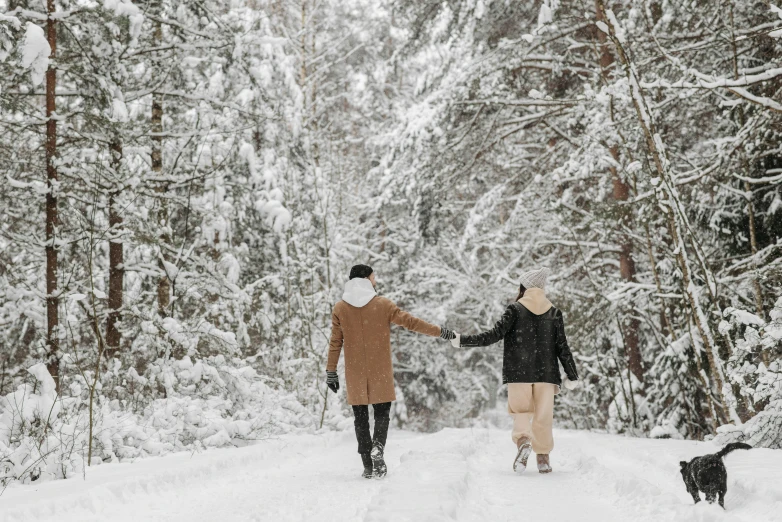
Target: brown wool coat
(365,334)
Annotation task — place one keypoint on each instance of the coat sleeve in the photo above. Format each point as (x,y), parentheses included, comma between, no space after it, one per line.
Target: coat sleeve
(563,350)
(406,320)
(494,335)
(335,344)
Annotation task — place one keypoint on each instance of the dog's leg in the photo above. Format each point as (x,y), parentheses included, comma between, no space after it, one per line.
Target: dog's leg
(723,490)
(711,496)
(692,489)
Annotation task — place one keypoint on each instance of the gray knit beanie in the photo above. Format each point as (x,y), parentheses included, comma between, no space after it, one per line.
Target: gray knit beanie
(535,278)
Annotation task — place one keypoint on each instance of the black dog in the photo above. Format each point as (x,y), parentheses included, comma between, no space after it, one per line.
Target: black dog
(708,474)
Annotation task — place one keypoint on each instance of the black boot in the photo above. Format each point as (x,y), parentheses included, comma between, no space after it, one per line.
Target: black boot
(377,460)
(366,458)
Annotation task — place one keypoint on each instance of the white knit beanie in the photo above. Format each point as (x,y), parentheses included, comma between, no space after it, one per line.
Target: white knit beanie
(535,278)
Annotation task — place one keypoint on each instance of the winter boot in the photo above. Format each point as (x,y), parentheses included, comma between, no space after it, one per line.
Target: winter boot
(525,448)
(544,466)
(366,458)
(377,460)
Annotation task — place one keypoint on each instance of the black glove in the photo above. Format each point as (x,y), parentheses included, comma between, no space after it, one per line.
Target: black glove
(447,334)
(332,381)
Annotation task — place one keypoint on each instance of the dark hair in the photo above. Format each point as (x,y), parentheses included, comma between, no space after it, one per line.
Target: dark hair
(362,271)
(522,289)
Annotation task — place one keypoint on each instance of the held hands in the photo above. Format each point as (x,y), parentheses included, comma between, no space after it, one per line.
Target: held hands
(332,381)
(450,335)
(446,334)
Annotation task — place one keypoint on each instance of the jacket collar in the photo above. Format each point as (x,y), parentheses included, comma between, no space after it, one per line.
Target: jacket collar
(535,301)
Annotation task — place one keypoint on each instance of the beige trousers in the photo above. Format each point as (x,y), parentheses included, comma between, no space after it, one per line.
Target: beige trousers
(532,407)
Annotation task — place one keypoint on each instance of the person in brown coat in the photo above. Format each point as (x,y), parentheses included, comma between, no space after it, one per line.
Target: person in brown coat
(361,327)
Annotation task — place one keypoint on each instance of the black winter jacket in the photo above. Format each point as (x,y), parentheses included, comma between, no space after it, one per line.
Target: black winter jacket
(533,344)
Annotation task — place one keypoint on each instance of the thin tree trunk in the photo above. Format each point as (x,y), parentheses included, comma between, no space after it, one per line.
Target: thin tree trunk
(753,241)
(116,268)
(627,271)
(313,112)
(2,377)
(621,192)
(101,348)
(303,69)
(743,408)
(666,322)
(668,199)
(52,218)
(716,412)
(164,238)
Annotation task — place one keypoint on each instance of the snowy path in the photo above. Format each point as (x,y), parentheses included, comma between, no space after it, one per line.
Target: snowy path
(461,475)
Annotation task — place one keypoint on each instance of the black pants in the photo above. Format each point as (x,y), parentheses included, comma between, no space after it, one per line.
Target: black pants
(361,422)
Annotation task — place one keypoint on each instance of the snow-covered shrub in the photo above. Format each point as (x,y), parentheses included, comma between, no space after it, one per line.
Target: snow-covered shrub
(38,441)
(678,391)
(667,430)
(756,369)
(208,403)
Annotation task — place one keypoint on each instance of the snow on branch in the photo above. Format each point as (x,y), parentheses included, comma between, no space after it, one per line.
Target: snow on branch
(14,21)
(35,52)
(709,82)
(757,181)
(519,103)
(131,11)
(778,32)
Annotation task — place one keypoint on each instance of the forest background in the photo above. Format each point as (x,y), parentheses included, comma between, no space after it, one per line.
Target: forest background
(187,183)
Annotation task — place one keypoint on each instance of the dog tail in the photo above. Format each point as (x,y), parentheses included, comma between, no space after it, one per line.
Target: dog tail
(733,446)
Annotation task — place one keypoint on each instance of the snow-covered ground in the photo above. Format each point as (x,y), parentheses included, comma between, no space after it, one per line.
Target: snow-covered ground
(456,474)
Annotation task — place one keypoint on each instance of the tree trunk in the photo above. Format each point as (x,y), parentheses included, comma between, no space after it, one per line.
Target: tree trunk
(753,241)
(627,271)
(303,65)
(665,323)
(52,219)
(621,191)
(668,199)
(743,408)
(164,238)
(116,268)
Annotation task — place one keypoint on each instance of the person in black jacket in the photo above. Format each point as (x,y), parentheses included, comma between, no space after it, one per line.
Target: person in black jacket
(533,331)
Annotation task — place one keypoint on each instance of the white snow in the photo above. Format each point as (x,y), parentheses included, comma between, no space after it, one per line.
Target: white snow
(14,21)
(129,9)
(546,14)
(41,373)
(618,30)
(172,271)
(35,52)
(479,9)
(744,317)
(276,214)
(455,474)
(119,111)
